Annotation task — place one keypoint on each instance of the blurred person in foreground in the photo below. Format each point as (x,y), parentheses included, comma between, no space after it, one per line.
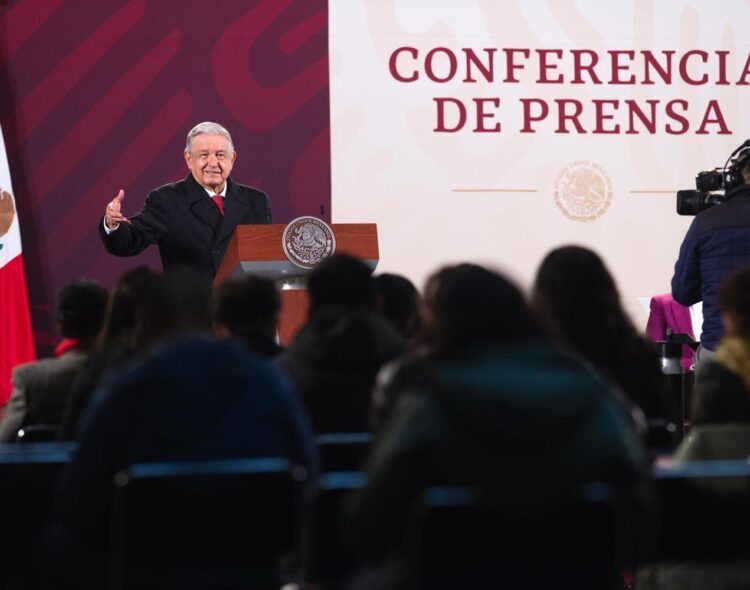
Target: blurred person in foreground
(192,397)
(398,301)
(118,342)
(722,388)
(42,389)
(578,301)
(334,359)
(720,432)
(248,309)
(490,402)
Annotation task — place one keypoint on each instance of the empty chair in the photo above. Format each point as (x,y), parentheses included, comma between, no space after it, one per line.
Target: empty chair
(326,559)
(471,538)
(208,524)
(490,404)
(344,451)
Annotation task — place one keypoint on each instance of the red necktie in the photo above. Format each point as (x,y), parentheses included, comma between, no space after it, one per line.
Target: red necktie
(218,199)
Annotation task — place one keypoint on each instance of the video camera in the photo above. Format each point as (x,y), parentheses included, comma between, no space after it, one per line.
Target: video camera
(713,185)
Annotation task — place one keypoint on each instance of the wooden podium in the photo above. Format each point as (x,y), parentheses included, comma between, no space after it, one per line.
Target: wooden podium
(257,249)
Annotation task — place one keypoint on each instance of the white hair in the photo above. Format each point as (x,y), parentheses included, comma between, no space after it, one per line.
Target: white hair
(207,128)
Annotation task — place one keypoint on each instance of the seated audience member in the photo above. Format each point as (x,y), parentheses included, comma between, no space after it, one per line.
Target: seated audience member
(192,397)
(722,387)
(248,309)
(118,342)
(493,403)
(720,431)
(721,441)
(577,300)
(665,317)
(41,389)
(398,301)
(335,357)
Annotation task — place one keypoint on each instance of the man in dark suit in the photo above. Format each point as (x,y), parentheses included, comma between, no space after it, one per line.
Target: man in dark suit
(191,220)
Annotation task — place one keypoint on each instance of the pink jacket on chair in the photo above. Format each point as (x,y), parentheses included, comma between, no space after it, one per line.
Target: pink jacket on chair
(666,314)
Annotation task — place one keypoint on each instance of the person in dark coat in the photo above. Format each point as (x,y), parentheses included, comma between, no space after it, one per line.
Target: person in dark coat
(578,301)
(490,403)
(42,389)
(722,387)
(334,359)
(398,300)
(248,309)
(716,244)
(191,398)
(720,431)
(192,220)
(117,343)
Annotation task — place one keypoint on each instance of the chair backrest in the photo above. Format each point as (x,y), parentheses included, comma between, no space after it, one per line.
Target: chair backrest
(345,451)
(28,478)
(326,560)
(36,433)
(208,524)
(28,475)
(471,538)
(705,511)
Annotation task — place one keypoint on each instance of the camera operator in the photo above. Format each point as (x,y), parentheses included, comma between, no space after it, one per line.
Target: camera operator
(717,243)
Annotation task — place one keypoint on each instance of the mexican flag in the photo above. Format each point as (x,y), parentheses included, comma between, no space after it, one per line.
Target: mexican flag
(16,337)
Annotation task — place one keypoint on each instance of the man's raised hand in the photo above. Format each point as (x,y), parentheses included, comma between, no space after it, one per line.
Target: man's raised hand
(112,216)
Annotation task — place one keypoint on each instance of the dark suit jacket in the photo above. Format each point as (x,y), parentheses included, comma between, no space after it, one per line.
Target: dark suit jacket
(186,224)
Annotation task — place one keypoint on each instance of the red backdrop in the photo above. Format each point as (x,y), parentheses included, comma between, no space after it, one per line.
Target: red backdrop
(98,95)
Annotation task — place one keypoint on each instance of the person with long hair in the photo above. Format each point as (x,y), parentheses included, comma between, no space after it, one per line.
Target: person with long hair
(453,321)
(578,302)
(493,403)
(117,342)
(335,357)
